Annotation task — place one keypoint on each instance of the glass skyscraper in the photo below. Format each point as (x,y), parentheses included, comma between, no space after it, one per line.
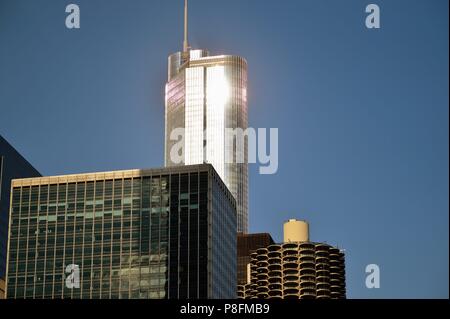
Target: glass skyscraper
(12,165)
(158,233)
(205,95)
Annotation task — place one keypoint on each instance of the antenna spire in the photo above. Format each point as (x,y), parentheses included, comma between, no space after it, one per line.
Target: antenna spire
(185,42)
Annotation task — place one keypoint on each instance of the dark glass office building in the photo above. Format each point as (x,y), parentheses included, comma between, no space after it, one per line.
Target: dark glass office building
(158,233)
(12,165)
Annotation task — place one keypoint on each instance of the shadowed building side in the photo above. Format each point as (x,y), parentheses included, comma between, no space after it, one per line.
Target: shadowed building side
(12,165)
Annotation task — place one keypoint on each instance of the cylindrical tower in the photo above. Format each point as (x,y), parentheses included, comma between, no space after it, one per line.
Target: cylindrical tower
(296,231)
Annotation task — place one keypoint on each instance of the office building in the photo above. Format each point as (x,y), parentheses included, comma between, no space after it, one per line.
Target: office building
(157,233)
(296,269)
(205,96)
(12,165)
(246,245)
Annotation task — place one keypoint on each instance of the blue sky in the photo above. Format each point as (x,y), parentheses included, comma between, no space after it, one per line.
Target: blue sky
(362,114)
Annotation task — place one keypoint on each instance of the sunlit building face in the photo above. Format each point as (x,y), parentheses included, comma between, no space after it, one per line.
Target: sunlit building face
(206,95)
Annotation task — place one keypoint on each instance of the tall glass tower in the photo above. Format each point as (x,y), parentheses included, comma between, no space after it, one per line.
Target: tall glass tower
(205,96)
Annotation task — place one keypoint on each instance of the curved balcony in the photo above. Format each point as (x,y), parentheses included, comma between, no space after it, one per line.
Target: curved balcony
(322,260)
(292,258)
(308,265)
(334,262)
(308,282)
(274,254)
(307,253)
(277,286)
(322,264)
(290,272)
(262,289)
(323,289)
(334,253)
(252,294)
(336,295)
(275,280)
(262,295)
(308,257)
(305,284)
(274,260)
(291,284)
(322,248)
(307,272)
(322,267)
(291,291)
(323,294)
(261,257)
(334,270)
(290,246)
(290,265)
(307,278)
(262,275)
(262,283)
(336,288)
(307,294)
(307,246)
(261,251)
(308,290)
(274,267)
(290,253)
(276,274)
(275,247)
(262,264)
(291,279)
(275,294)
(323,278)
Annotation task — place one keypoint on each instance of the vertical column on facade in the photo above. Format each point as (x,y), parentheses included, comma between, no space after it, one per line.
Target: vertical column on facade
(275,272)
(322,271)
(335,274)
(307,271)
(342,275)
(262,273)
(291,284)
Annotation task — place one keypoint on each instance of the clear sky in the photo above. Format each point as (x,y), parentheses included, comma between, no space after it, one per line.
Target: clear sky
(362,114)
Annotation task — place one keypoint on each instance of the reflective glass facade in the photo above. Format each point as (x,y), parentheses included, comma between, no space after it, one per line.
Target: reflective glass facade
(162,233)
(12,165)
(206,95)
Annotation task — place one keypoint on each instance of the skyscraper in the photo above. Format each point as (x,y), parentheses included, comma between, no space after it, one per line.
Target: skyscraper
(12,165)
(205,96)
(157,233)
(295,269)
